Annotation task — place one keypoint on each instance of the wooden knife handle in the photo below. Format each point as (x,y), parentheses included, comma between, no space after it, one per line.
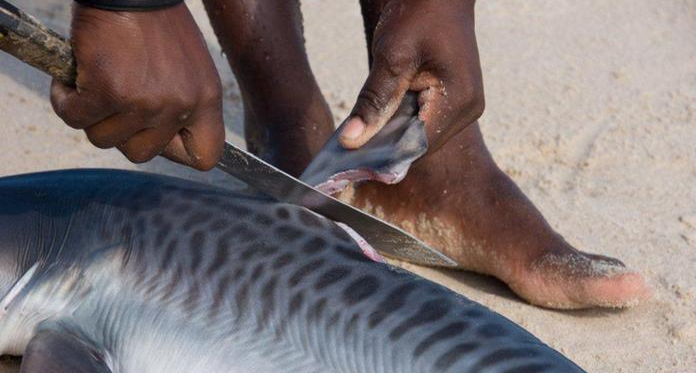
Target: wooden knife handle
(24,37)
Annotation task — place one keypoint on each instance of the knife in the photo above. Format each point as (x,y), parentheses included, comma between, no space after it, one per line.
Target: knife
(28,40)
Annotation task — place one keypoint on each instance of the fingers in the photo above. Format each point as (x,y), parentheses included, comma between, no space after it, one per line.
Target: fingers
(193,141)
(78,109)
(199,144)
(175,149)
(427,47)
(113,130)
(446,116)
(146,144)
(447,104)
(204,140)
(146,84)
(193,137)
(388,81)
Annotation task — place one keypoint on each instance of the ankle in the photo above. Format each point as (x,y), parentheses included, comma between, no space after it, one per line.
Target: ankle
(288,136)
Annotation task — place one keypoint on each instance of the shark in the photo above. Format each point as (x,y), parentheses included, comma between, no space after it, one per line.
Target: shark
(122,271)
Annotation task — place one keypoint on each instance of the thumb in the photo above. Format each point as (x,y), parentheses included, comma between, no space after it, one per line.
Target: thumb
(377,102)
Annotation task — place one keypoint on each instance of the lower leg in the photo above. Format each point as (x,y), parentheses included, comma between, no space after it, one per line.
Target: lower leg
(459,201)
(287,119)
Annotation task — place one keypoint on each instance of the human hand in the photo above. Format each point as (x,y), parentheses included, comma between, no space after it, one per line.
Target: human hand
(426,46)
(146,85)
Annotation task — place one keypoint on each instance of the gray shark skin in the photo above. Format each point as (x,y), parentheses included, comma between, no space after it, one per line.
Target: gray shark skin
(116,271)
(385,158)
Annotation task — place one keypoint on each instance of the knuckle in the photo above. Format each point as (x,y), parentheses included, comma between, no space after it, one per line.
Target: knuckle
(145,107)
(184,99)
(60,109)
(115,89)
(370,99)
(139,156)
(476,106)
(183,116)
(473,102)
(75,124)
(478,109)
(100,141)
(211,152)
(187,103)
(135,100)
(205,164)
(394,51)
(65,112)
(394,61)
(211,94)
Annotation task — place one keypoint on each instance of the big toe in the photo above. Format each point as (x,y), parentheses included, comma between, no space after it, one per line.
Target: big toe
(575,280)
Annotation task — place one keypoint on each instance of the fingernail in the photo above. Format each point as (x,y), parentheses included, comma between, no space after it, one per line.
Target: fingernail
(354,128)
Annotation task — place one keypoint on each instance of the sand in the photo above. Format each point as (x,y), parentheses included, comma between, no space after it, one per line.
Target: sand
(591,109)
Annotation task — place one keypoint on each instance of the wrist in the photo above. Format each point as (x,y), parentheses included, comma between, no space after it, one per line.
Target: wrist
(129,5)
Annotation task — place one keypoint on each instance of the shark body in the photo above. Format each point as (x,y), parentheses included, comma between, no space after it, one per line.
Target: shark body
(116,271)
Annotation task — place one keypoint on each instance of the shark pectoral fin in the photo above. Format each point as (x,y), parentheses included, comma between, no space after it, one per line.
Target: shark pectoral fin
(57,352)
(385,158)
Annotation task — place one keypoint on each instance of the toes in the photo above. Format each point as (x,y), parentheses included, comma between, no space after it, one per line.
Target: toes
(619,291)
(606,259)
(576,265)
(570,279)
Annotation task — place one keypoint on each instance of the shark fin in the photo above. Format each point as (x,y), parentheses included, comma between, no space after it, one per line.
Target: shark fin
(386,157)
(60,352)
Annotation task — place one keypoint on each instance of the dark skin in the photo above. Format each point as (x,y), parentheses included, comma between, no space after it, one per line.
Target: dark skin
(455,198)
(286,117)
(145,85)
(407,51)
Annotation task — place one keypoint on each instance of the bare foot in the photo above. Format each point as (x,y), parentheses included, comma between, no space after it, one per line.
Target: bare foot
(458,200)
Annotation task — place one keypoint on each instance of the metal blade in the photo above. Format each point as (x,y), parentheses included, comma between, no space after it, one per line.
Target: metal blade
(386,238)
(25,38)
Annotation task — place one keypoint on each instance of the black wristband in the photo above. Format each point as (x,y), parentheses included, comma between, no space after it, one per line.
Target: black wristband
(129,4)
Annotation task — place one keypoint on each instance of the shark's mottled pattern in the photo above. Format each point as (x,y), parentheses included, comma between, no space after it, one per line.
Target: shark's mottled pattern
(114,271)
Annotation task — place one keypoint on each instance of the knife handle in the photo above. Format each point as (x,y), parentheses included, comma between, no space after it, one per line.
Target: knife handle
(24,37)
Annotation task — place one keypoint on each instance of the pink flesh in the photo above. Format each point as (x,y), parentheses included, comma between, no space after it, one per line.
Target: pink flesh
(341,180)
(366,248)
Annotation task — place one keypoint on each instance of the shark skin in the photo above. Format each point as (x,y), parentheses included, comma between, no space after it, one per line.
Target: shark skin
(116,271)
(386,158)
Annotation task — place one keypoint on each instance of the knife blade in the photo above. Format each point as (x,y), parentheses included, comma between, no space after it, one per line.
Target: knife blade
(386,238)
(27,39)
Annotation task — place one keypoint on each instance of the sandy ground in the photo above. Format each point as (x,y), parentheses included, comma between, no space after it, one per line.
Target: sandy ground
(591,109)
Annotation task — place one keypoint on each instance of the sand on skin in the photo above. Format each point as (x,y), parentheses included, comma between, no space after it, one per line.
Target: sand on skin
(591,108)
